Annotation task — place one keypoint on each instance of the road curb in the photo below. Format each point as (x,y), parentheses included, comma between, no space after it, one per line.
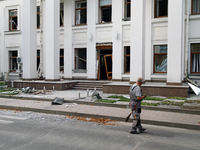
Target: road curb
(150,122)
(186,111)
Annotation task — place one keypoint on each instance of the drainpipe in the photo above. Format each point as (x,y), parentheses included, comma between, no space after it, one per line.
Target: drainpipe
(186,41)
(40,68)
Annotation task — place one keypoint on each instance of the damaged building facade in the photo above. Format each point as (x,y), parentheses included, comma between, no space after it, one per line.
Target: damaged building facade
(117,40)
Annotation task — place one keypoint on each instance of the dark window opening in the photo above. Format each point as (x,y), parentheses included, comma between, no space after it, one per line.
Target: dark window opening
(127,10)
(80,59)
(195,58)
(127,59)
(61,14)
(13,66)
(81,13)
(61,59)
(38,17)
(38,58)
(161,8)
(105,11)
(13,21)
(195,7)
(160,59)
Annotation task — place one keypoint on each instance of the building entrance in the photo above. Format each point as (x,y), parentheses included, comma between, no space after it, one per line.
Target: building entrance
(104,57)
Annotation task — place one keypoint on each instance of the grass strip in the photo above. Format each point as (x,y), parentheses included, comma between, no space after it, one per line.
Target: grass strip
(149,104)
(153,98)
(178,98)
(105,101)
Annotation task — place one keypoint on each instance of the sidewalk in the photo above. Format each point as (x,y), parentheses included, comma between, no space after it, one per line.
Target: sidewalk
(75,106)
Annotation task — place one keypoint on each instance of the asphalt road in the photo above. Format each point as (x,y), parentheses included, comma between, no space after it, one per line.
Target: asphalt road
(35,131)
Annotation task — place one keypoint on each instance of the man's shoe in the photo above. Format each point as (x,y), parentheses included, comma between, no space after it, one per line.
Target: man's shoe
(142,129)
(134,132)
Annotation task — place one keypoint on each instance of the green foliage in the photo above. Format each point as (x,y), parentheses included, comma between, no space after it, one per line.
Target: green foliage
(178,98)
(105,101)
(122,98)
(149,104)
(3,83)
(8,91)
(154,98)
(172,103)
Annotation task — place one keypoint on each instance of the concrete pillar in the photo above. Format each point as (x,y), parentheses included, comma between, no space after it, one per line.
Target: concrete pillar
(118,49)
(29,43)
(92,19)
(137,39)
(68,50)
(52,37)
(175,41)
(148,41)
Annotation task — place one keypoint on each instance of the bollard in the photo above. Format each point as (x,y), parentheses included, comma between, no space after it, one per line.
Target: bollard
(53,88)
(34,91)
(12,84)
(79,94)
(44,90)
(95,89)
(87,92)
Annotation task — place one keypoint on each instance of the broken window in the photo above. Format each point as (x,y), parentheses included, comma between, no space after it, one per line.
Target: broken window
(161,8)
(80,58)
(195,7)
(38,58)
(13,66)
(105,10)
(195,58)
(160,59)
(127,10)
(13,22)
(81,12)
(38,17)
(61,59)
(61,14)
(127,59)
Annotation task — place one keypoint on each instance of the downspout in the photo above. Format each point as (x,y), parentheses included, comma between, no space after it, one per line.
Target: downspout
(40,68)
(186,44)
(186,41)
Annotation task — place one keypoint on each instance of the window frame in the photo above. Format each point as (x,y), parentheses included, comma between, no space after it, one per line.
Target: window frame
(100,13)
(75,59)
(191,57)
(125,56)
(12,17)
(157,54)
(10,60)
(80,9)
(156,8)
(125,11)
(192,9)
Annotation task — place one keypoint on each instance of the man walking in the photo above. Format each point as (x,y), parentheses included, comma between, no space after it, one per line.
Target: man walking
(135,104)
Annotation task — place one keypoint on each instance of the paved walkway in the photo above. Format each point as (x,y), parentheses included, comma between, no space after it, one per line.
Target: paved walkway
(154,117)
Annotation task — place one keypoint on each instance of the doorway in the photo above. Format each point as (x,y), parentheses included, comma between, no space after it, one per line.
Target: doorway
(104,56)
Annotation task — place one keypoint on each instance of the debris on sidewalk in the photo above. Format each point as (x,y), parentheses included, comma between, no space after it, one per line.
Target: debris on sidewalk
(99,121)
(97,95)
(71,105)
(57,101)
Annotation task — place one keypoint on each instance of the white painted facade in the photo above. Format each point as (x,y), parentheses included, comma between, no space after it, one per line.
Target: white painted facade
(178,31)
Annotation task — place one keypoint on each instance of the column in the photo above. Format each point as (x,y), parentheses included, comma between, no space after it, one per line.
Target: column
(68,51)
(92,18)
(137,39)
(118,49)
(52,39)
(175,41)
(29,43)
(148,41)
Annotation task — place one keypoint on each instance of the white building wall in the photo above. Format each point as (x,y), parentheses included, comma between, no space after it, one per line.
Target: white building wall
(141,33)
